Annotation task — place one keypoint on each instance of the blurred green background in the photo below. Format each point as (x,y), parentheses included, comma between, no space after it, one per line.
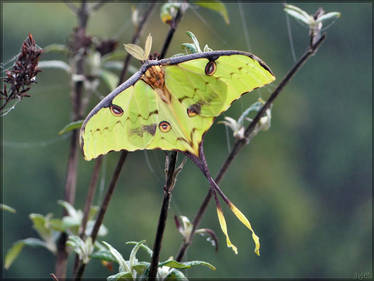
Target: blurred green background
(306,184)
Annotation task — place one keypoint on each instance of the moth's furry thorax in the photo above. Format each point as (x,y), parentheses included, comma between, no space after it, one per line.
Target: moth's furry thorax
(154,77)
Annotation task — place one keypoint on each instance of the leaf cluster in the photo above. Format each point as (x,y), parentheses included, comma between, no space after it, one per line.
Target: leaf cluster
(49,229)
(132,268)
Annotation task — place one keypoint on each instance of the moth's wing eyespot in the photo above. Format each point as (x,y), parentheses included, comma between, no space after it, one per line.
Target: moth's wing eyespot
(191,112)
(116,110)
(210,68)
(164,126)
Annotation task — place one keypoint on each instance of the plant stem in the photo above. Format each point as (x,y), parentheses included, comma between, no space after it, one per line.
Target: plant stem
(170,179)
(135,38)
(169,37)
(239,144)
(163,215)
(104,206)
(88,203)
(108,195)
(71,175)
(121,161)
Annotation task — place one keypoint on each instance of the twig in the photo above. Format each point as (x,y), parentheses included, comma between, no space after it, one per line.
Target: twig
(108,195)
(135,38)
(170,180)
(71,176)
(169,37)
(87,205)
(104,206)
(163,215)
(240,143)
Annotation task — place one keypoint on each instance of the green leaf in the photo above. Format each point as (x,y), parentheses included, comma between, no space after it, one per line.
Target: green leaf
(298,17)
(144,247)
(216,6)
(120,276)
(193,263)
(103,255)
(7,208)
(298,14)
(194,40)
(329,16)
(72,212)
(134,250)
(148,46)
(141,267)
(71,126)
(184,265)
(40,224)
(176,275)
(57,225)
(174,264)
(120,260)
(75,242)
(58,64)
(13,253)
(82,248)
(55,48)
(35,242)
(17,247)
(135,50)
(109,78)
(190,48)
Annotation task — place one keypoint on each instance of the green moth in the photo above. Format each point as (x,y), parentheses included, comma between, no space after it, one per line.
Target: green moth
(169,104)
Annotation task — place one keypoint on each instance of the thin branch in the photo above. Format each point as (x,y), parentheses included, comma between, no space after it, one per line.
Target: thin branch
(104,206)
(88,203)
(135,38)
(91,194)
(169,185)
(71,176)
(241,143)
(170,180)
(121,160)
(173,28)
(108,196)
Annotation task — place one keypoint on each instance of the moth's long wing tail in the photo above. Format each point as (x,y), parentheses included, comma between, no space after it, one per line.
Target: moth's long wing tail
(242,218)
(222,221)
(201,163)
